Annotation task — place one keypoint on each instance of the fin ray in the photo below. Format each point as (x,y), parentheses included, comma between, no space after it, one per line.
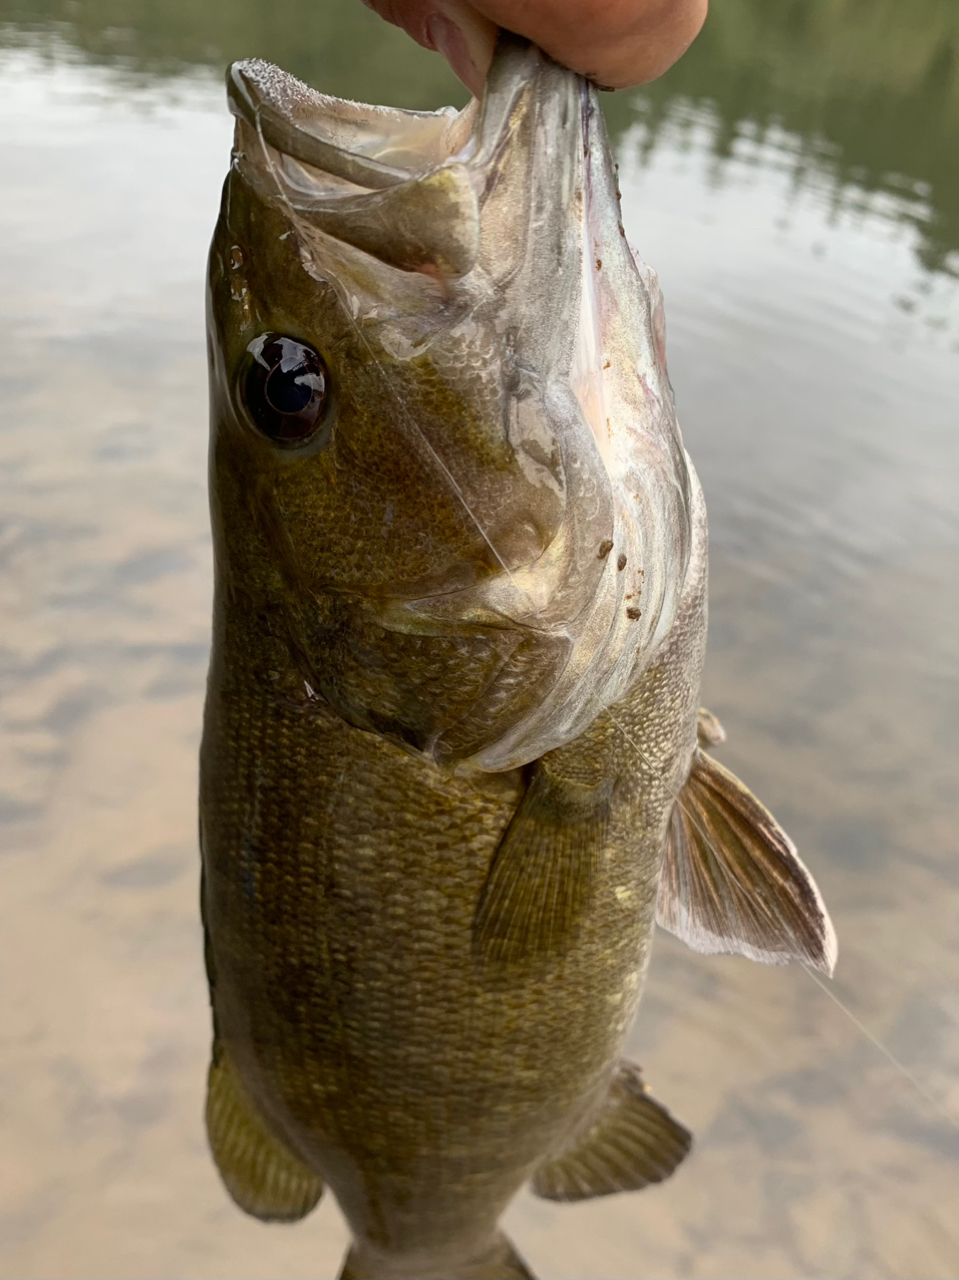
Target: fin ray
(542,876)
(732,880)
(262,1175)
(633,1142)
(708,729)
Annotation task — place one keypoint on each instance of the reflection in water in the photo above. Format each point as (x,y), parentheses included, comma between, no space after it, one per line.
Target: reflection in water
(867,92)
(793,180)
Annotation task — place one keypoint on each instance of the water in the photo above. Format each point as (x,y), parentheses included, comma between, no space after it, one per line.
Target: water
(794,180)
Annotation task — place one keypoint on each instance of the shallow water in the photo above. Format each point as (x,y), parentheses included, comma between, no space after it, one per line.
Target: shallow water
(794,181)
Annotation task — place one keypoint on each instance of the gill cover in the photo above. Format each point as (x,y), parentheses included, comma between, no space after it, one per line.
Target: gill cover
(485,292)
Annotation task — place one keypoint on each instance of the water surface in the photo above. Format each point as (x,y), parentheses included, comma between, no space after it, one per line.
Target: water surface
(794,181)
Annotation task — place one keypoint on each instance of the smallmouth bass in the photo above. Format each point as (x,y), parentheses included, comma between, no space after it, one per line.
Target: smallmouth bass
(452,770)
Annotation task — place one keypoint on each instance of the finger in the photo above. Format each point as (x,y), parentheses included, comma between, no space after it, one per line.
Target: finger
(617,43)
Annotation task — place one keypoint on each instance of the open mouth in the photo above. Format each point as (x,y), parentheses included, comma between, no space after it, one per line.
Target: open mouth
(396,184)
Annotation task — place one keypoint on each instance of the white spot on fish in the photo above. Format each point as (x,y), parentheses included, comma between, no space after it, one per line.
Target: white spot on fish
(624,896)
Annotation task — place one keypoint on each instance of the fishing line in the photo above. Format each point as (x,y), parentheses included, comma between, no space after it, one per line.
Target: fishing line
(886,1053)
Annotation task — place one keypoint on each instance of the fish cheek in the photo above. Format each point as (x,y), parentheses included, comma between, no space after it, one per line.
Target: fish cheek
(381,520)
(421,462)
(406,686)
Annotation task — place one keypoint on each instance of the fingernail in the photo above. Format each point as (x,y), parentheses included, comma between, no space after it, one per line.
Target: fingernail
(447,38)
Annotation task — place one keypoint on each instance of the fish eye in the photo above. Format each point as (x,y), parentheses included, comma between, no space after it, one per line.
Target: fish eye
(286,388)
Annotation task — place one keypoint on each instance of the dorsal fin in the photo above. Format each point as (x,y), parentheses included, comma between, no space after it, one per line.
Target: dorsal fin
(634,1141)
(732,880)
(542,875)
(260,1172)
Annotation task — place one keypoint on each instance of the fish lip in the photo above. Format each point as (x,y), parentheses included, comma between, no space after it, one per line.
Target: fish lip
(369,146)
(375,147)
(266,98)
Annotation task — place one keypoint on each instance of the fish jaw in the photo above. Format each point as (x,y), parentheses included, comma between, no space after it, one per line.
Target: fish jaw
(482,252)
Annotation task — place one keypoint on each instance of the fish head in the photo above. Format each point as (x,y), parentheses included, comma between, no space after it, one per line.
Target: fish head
(445,462)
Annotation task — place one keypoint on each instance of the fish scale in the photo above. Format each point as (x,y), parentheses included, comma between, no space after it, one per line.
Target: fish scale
(451,771)
(521,1059)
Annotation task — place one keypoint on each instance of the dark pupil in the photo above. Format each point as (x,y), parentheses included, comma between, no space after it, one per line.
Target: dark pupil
(286,390)
(290,390)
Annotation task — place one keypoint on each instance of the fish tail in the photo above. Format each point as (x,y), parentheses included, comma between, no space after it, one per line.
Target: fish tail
(499,1262)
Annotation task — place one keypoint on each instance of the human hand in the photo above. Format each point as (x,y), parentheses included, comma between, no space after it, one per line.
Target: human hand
(617,43)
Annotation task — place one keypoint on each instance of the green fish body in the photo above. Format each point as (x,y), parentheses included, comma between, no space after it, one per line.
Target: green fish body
(452,767)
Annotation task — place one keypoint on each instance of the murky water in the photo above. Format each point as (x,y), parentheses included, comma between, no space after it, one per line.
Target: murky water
(796,182)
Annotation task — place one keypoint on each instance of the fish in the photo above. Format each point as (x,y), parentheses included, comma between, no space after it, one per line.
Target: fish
(454,769)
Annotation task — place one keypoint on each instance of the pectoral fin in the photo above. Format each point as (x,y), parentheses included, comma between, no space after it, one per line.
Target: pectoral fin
(634,1142)
(732,881)
(262,1175)
(542,876)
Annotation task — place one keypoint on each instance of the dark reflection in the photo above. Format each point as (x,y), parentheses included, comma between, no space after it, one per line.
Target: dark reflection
(869,87)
